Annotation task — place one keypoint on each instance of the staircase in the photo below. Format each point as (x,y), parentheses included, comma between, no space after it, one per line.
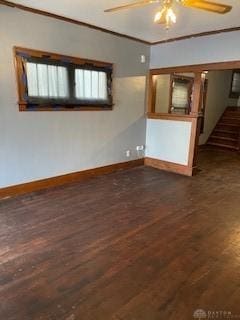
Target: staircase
(226,134)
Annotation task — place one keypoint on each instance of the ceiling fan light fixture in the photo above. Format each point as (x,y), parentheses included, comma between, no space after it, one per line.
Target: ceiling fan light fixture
(158,16)
(171,15)
(165,16)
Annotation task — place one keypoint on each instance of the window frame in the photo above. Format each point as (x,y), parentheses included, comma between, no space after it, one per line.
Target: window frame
(26,103)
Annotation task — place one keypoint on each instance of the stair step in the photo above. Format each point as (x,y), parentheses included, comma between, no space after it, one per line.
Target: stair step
(226,133)
(232,114)
(220,140)
(230,117)
(231,126)
(233,130)
(230,120)
(228,124)
(222,145)
(233,109)
(224,138)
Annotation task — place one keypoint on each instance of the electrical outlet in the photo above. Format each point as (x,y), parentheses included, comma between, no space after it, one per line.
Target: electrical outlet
(143,58)
(128,153)
(140,148)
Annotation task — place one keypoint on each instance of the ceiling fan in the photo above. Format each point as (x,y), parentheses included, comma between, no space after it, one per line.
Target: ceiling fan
(166,16)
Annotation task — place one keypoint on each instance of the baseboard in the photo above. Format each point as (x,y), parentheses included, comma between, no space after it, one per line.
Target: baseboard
(81,175)
(169,166)
(67,178)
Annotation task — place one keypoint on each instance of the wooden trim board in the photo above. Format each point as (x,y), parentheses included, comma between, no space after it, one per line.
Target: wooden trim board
(172,117)
(211,66)
(66,178)
(168,166)
(197,35)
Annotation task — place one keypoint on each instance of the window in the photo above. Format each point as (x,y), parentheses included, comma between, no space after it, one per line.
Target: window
(53,82)
(181,94)
(235,86)
(90,85)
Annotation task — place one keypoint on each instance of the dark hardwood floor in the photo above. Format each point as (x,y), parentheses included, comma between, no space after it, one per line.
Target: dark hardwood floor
(139,244)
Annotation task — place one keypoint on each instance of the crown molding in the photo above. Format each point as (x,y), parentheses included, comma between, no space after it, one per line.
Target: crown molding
(196,35)
(69,20)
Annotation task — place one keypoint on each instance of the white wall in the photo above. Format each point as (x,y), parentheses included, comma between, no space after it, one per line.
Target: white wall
(168,140)
(219,83)
(36,145)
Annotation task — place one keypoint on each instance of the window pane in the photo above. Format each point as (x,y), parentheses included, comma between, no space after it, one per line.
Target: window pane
(53,82)
(95,85)
(32,82)
(180,95)
(47,81)
(42,75)
(90,85)
(236,82)
(87,84)
(103,85)
(79,83)
(62,79)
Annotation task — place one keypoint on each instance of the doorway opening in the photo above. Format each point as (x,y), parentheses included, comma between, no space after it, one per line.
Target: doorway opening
(194,94)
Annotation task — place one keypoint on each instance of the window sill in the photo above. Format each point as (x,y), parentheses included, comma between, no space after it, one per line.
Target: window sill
(24,107)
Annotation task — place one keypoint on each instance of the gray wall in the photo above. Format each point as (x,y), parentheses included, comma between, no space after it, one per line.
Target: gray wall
(217,48)
(36,145)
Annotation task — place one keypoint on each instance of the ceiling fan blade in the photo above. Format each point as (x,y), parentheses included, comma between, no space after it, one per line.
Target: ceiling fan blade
(207,5)
(132,5)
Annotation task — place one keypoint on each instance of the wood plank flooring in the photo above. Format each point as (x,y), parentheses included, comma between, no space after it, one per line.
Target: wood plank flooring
(139,244)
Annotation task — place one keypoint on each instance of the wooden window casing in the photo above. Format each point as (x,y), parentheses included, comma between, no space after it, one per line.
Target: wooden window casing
(71,102)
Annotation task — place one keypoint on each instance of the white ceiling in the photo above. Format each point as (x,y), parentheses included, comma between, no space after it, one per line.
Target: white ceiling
(138,22)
